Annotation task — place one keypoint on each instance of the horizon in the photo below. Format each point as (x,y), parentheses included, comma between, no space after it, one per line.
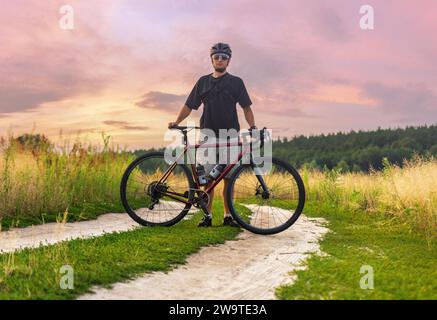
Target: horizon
(99,143)
(127,67)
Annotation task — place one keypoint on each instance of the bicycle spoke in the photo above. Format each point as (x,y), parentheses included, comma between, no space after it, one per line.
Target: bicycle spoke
(146,174)
(273,212)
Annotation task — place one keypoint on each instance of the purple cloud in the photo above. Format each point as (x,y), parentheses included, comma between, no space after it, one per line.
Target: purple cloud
(162,101)
(124,125)
(411,102)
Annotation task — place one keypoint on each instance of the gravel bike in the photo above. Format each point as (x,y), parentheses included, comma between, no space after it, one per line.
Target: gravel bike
(154,192)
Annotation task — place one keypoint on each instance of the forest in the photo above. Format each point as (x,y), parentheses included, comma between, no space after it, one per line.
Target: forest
(355,151)
(358,150)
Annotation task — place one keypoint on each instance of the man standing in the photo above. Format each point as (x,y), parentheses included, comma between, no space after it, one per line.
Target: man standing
(219,92)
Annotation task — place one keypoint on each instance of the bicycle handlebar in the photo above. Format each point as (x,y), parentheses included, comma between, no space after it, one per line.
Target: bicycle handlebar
(262,134)
(184,127)
(260,139)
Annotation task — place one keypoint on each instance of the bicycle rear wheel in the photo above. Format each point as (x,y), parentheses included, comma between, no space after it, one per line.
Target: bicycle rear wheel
(150,202)
(267,209)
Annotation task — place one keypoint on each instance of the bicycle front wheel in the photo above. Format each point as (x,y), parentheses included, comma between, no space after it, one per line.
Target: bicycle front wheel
(150,201)
(266,201)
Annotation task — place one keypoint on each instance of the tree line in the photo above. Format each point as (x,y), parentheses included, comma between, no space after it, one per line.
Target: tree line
(358,150)
(350,151)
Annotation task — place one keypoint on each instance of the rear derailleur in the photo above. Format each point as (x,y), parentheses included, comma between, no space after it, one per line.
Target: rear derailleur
(155,190)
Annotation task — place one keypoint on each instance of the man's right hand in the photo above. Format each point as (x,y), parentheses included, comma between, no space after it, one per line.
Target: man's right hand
(185,112)
(172,124)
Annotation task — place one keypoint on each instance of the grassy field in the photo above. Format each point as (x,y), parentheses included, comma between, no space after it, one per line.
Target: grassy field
(36,273)
(403,261)
(40,184)
(386,220)
(407,194)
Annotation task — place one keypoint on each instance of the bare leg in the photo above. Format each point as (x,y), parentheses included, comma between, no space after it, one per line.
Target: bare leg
(211,198)
(225,202)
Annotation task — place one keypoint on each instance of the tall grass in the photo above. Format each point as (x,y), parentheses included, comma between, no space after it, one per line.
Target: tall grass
(81,179)
(408,194)
(38,183)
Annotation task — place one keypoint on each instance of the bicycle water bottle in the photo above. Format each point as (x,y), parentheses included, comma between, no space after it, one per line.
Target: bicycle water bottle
(201,175)
(215,172)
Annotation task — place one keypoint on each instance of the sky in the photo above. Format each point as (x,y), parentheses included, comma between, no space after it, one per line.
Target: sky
(127,67)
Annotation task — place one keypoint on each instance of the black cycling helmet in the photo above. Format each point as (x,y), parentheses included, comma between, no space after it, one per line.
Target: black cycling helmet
(221,48)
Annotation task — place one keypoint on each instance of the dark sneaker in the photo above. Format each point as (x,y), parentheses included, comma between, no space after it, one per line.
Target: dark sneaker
(205,222)
(229,221)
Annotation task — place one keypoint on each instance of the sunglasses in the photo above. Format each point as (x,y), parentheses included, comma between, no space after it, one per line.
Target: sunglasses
(217,56)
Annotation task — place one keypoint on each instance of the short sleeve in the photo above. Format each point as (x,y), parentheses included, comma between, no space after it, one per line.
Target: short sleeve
(243,96)
(194,101)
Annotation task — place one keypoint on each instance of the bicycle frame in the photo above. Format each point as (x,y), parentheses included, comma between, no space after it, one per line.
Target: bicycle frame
(158,180)
(194,173)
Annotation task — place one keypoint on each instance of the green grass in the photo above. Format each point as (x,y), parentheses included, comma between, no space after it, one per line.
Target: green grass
(81,212)
(403,261)
(35,273)
(84,211)
(36,186)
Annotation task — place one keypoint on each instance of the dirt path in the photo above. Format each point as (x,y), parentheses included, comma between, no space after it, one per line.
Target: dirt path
(247,268)
(49,233)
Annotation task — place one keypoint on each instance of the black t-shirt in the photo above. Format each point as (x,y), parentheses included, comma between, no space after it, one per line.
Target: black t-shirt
(219,97)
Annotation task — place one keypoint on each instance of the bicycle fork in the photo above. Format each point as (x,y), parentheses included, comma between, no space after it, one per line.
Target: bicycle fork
(265,194)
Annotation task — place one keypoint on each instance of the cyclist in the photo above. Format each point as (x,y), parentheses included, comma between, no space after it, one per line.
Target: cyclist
(219,92)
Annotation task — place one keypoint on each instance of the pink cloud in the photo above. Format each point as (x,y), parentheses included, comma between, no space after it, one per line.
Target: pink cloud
(43,63)
(287,52)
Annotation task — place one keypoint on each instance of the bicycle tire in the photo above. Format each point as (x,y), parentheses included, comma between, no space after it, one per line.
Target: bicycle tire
(131,212)
(300,205)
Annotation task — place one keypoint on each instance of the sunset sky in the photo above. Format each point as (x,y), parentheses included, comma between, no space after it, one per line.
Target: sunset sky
(128,66)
